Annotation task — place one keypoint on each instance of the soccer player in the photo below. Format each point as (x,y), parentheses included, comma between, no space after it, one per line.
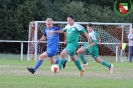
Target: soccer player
(82,56)
(93,48)
(73,31)
(52,46)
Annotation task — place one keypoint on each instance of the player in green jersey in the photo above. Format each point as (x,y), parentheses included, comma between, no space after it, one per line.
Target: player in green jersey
(81,55)
(92,48)
(73,31)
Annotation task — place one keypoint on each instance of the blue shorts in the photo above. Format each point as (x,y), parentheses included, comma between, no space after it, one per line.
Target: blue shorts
(51,52)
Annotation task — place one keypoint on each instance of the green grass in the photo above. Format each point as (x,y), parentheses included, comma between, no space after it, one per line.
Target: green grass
(13,74)
(12,56)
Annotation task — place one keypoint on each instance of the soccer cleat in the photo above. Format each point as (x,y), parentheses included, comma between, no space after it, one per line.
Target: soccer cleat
(84,64)
(111,68)
(31,70)
(64,65)
(81,73)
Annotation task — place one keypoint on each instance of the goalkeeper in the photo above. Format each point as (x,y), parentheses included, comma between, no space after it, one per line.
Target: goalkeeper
(93,48)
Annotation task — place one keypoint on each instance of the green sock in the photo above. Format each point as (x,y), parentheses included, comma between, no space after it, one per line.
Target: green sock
(61,62)
(82,58)
(105,63)
(77,63)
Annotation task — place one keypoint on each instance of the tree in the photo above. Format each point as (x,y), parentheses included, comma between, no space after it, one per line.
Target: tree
(15,15)
(75,8)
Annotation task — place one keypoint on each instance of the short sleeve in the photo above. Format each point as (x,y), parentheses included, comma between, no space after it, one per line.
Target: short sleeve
(64,29)
(80,28)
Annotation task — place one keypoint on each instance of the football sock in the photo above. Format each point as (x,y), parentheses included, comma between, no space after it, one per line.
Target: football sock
(77,63)
(38,63)
(56,61)
(61,62)
(105,63)
(82,58)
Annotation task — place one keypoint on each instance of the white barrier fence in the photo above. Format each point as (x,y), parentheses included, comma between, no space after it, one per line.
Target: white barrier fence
(22,43)
(22,47)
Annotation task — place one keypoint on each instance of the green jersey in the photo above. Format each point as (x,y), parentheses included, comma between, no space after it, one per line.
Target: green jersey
(72,33)
(93,50)
(93,36)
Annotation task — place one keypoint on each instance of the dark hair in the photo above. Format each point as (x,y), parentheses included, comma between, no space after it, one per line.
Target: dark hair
(71,16)
(89,25)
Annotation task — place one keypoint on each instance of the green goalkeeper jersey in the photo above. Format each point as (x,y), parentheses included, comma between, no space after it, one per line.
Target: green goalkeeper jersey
(72,33)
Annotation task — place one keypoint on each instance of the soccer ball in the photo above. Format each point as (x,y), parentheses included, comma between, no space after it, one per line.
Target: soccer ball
(54,68)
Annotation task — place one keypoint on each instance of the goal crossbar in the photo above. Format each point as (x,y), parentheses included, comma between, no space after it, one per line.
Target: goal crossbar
(111,34)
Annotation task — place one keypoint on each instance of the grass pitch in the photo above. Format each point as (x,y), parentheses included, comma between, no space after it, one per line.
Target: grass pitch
(13,74)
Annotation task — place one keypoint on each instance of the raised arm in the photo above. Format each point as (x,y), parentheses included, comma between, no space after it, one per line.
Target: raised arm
(58,31)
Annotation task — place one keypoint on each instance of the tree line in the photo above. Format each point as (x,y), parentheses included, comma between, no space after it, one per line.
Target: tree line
(15,16)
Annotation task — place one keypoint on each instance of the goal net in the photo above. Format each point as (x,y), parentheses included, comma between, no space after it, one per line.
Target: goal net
(111,35)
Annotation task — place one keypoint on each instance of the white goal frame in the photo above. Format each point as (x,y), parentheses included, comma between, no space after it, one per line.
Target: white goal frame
(61,22)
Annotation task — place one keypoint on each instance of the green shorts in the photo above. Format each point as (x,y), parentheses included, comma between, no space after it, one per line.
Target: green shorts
(71,49)
(93,51)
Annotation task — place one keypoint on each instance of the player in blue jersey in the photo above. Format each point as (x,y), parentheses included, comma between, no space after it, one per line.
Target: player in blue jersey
(52,46)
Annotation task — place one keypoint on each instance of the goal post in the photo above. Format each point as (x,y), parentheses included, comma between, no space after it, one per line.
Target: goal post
(111,35)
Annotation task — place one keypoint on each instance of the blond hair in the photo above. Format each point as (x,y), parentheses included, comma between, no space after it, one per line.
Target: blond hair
(49,19)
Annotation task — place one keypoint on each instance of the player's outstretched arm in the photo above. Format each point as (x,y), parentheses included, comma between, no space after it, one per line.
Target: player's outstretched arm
(92,44)
(41,39)
(58,31)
